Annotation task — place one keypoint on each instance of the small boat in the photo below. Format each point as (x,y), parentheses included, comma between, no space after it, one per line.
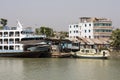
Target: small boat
(90,54)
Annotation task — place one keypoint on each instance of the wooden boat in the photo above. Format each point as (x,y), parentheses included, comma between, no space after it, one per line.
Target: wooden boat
(90,54)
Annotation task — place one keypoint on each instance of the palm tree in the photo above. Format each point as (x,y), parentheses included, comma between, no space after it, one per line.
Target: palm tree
(3,22)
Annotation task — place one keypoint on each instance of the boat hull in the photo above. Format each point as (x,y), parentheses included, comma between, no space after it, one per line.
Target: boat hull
(27,54)
(90,54)
(90,57)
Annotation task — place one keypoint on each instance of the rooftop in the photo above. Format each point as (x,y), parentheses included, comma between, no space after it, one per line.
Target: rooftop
(94,19)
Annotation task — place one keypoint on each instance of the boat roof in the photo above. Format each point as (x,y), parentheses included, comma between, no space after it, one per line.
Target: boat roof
(33,42)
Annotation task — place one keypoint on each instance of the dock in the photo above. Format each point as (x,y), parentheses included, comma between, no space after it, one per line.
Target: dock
(60,55)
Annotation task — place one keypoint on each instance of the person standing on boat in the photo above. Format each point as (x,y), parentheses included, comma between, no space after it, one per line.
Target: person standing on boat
(103,53)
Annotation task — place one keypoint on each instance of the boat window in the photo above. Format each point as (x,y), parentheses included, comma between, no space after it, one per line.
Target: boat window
(21,32)
(87,51)
(0,47)
(82,50)
(11,47)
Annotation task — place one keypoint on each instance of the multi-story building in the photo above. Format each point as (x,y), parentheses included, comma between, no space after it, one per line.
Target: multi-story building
(89,27)
(74,30)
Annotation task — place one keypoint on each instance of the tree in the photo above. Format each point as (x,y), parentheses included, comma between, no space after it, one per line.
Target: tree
(115,37)
(63,34)
(44,31)
(37,31)
(3,22)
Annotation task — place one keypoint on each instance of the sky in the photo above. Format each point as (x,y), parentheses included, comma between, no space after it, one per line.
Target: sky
(57,14)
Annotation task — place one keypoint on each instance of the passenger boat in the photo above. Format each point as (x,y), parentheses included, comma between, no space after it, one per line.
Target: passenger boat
(14,42)
(90,54)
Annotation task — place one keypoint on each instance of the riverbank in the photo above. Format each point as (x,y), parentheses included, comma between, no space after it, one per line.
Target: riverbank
(60,55)
(115,54)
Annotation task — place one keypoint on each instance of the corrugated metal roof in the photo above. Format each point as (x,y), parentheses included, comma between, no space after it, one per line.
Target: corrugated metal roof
(93,41)
(97,41)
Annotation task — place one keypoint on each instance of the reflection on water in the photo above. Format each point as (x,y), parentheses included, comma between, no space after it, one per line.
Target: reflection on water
(58,69)
(11,69)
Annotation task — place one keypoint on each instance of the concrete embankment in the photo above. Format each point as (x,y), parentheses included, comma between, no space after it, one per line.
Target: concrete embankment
(60,55)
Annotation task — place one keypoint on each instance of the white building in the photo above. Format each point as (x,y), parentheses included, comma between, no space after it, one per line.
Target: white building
(74,30)
(89,27)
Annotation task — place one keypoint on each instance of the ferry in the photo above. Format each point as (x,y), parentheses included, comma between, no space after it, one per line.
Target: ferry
(12,42)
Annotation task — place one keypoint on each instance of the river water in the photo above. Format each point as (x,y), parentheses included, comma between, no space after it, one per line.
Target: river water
(59,69)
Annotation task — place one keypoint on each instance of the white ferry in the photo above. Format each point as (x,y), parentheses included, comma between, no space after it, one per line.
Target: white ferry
(10,46)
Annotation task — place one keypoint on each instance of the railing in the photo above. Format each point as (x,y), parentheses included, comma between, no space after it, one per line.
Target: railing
(10,51)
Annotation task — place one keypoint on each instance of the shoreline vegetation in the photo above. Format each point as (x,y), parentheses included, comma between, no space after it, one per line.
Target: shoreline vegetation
(115,54)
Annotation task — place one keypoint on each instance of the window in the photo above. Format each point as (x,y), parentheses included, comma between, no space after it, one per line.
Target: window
(103,30)
(85,31)
(97,36)
(70,31)
(76,36)
(89,36)
(110,24)
(89,30)
(76,26)
(11,47)
(103,24)
(89,24)
(70,26)
(85,25)
(76,31)
(106,24)
(94,24)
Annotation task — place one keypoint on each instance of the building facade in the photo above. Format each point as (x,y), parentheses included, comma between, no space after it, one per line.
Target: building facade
(74,30)
(93,28)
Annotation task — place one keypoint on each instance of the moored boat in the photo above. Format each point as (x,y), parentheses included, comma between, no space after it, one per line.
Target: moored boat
(26,54)
(90,54)
(13,43)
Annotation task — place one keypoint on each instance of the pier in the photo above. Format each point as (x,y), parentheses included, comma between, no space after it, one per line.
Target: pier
(60,55)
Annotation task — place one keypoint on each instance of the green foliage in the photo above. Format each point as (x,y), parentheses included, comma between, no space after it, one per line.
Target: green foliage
(115,39)
(1,27)
(37,31)
(44,31)
(3,22)
(63,34)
